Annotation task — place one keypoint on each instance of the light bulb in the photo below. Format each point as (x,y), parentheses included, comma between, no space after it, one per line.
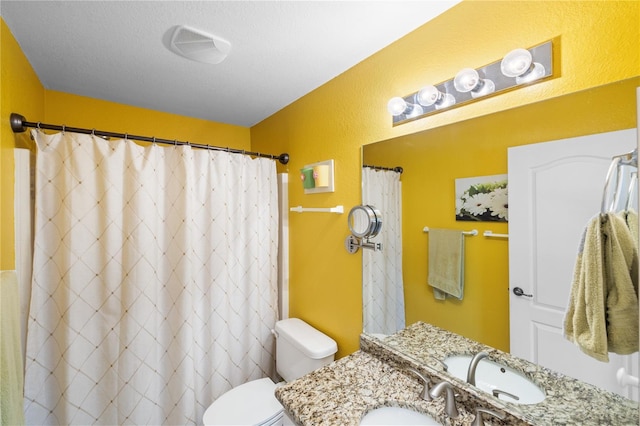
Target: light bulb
(430,95)
(414,111)
(396,106)
(466,80)
(485,87)
(446,101)
(516,62)
(519,64)
(534,73)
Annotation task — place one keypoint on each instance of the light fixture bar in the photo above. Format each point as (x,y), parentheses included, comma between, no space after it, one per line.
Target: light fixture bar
(491,76)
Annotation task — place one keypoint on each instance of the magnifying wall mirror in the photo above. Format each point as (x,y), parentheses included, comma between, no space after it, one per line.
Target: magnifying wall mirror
(365,222)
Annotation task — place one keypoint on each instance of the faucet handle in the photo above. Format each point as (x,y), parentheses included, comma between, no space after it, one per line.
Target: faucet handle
(445,367)
(497,392)
(425,390)
(478,420)
(450,397)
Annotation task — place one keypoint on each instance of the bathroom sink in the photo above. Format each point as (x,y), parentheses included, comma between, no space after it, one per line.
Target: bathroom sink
(491,376)
(397,416)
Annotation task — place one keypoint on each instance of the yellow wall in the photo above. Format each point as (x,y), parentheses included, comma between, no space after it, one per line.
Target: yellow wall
(598,45)
(79,111)
(21,92)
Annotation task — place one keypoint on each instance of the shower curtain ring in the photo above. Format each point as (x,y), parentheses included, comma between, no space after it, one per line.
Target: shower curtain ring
(63,128)
(93,132)
(126,136)
(154,140)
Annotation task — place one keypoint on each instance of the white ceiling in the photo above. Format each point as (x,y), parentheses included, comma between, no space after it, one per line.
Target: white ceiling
(280,50)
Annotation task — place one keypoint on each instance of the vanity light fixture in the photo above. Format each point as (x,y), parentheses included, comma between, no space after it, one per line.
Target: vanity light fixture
(519,68)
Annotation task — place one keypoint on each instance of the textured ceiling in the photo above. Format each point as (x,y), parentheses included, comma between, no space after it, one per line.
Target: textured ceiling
(280,50)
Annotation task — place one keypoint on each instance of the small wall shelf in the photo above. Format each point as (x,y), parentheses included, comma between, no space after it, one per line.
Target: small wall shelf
(318,177)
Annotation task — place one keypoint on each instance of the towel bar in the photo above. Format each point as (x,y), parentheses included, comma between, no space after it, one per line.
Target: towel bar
(491,234)
(300,209)
(472,232)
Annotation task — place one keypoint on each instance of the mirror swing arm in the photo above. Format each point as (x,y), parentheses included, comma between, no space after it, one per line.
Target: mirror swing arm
(352,244)
(365,222)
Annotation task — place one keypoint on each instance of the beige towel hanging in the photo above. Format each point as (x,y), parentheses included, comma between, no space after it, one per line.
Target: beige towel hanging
(446,263)
(602,315)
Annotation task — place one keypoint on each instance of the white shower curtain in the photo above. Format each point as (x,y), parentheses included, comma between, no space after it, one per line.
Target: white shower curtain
(382,284)
(154,280)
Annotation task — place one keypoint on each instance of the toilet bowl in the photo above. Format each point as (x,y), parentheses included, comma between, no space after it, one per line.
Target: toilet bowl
(252,403)
(300,349)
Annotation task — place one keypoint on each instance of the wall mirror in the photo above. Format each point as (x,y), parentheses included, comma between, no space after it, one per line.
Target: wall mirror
(432,161)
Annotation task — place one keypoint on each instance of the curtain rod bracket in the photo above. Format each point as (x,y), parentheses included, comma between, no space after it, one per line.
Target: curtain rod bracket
(17,121)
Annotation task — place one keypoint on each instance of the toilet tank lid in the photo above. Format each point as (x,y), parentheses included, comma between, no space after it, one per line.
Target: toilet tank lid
(308,340)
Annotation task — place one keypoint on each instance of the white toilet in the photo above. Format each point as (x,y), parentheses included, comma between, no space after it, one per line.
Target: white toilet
(300,349)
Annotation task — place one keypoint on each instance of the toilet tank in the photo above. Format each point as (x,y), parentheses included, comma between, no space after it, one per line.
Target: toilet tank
(300,348)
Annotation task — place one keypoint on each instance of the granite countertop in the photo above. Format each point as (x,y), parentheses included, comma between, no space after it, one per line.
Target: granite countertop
(344,391)
(568,401)
(376,375)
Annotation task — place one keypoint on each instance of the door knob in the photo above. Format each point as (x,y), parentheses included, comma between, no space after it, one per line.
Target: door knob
(520,292)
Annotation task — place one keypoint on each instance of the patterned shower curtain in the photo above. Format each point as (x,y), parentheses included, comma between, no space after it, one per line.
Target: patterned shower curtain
(154,280)
(382,284)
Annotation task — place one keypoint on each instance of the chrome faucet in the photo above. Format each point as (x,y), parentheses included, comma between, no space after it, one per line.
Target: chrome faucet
(471,372)
(450,398)
(426,382)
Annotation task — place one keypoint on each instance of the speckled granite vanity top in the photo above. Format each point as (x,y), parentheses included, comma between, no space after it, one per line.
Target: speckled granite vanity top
(342,392)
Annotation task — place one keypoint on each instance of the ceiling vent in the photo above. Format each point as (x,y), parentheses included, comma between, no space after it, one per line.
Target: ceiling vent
(198,46)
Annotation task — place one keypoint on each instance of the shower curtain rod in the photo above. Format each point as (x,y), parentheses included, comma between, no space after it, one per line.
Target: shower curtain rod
(19,124)
(397,169)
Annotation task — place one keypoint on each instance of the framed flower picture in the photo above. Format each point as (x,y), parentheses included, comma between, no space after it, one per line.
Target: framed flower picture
(482,198)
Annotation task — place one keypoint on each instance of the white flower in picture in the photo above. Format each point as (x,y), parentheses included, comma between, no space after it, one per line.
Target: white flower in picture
(499,204)
(477,204)
(483,198)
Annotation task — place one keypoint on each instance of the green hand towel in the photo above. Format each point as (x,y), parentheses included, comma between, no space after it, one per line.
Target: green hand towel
(446,263)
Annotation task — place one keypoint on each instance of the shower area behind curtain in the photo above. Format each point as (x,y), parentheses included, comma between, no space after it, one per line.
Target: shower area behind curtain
(154,280)
(382,284)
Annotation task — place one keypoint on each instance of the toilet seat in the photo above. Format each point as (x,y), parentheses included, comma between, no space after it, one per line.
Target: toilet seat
(252,403)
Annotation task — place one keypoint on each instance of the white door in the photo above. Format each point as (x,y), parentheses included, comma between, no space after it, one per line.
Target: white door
(555,188)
